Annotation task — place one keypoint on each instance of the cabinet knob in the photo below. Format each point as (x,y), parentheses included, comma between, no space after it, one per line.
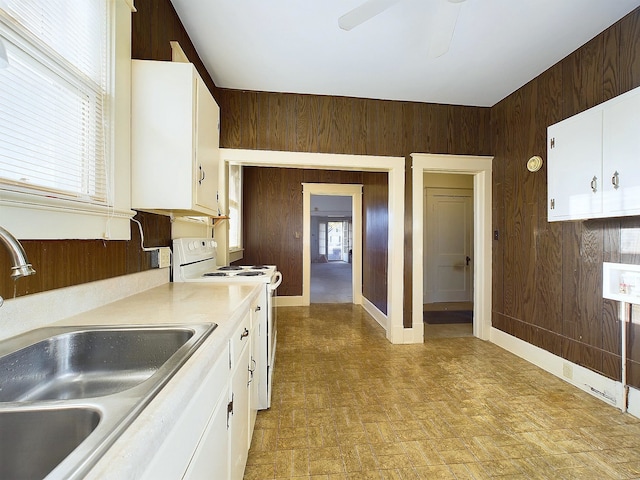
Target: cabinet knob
(615,180)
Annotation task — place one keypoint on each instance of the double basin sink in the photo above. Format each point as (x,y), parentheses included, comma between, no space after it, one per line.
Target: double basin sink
(67,393)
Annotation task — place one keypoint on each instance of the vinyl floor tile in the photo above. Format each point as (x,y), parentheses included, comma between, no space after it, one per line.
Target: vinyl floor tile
(348,405)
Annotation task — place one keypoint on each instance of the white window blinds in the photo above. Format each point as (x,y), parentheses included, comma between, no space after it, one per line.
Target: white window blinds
(53,134)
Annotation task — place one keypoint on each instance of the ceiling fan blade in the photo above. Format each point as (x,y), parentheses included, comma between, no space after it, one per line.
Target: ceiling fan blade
(442,30)
(364,12)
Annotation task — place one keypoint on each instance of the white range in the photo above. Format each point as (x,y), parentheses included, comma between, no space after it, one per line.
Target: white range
(194,260)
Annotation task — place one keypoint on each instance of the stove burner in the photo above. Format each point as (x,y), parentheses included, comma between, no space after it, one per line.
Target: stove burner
(216,274)
(249,274)
(259,267)
(230,267)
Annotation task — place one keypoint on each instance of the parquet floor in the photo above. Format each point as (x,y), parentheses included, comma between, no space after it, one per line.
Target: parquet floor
(350,405)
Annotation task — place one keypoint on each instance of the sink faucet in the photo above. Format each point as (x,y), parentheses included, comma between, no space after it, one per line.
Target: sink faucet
(21,266)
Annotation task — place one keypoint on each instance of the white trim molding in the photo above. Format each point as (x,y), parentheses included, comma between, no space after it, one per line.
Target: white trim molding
(480,168)
(394,166)
(343,189)
(595,384)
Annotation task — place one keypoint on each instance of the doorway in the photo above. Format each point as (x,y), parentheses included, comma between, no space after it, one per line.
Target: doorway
(342,204)
(331,249)
(448,255)
(479,168)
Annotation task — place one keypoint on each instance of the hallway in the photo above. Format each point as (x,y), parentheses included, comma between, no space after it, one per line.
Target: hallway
(347,404)
(331,283)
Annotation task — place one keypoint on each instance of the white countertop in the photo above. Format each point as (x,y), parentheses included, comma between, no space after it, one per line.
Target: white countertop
(171,303)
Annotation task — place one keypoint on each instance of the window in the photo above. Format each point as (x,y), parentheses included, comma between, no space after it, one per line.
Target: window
(235,207)
(58,111)
(322,238)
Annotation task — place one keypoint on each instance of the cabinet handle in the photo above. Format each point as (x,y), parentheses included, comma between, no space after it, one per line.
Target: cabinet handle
(594,184)
(202,175)
(258,308)
(553,204)
(615,180)
(251,370)
(229,410)
(244,334)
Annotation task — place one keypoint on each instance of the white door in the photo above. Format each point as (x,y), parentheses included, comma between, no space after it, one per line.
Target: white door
(448,245)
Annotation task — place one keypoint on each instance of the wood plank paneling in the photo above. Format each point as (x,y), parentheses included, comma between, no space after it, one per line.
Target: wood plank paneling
(553,298)
(375,198)
(315,123)
(273,219)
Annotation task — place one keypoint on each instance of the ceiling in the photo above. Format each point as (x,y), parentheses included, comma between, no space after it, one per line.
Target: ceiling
(296,46)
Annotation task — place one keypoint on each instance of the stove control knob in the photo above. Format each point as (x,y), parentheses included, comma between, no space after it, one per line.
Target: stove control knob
(192,245)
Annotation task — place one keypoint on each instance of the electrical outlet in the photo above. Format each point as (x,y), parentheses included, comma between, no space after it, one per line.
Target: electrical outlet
(164,257)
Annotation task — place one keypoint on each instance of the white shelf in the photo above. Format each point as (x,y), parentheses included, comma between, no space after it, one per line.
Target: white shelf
(621,282)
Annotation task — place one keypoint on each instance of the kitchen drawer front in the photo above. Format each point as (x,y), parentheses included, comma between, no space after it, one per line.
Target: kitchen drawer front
(240,339)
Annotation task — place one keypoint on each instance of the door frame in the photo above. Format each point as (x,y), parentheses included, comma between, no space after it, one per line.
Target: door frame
(392,320)
(480,168)
(339,189)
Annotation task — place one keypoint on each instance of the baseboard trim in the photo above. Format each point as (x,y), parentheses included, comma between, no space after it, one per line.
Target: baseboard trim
(377,315)
(292,301)
(595,384)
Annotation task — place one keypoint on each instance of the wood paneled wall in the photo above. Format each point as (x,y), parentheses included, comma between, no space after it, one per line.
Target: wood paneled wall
(63,263)
(156,23)
(547,277)
(314,123)
(375,238)
(273,220)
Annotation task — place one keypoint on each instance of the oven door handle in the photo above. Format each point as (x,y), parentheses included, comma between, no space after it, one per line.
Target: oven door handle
(276,284)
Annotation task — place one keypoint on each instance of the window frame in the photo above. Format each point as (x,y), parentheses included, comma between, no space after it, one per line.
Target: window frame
(235,250)
(31,215)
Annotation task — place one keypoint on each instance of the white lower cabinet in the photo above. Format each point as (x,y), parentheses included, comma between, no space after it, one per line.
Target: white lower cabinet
(254,372)
(212,453)
(239,418)
(175,455)
(211,438)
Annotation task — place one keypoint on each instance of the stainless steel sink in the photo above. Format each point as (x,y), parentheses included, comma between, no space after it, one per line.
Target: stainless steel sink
(34,442)
(73,390)
(88,363)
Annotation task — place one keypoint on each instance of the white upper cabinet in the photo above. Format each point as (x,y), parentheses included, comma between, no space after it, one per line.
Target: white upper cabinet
(174,140)
(621,155)
(574,167)
(592,162)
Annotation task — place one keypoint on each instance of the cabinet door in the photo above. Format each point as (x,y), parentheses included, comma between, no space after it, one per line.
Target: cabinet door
(621,155)
(207,148)
(239,419)
(254,372)
(211,457)
(574,167)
